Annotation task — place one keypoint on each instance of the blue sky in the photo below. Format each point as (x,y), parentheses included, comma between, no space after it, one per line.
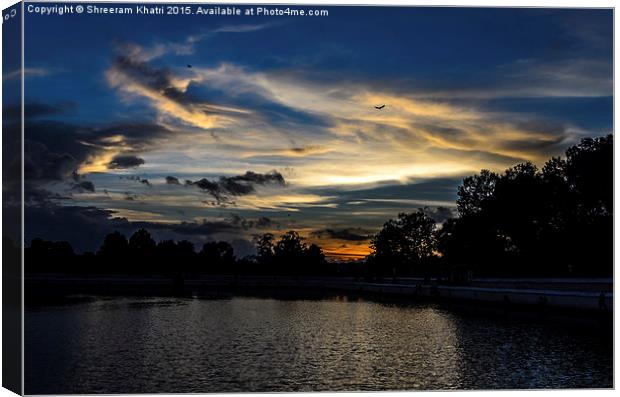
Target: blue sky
(277,113)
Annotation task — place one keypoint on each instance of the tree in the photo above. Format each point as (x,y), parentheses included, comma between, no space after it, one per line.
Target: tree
(185,249)
(314,260)
(289,254)
(218,255)
(114,245)
(166,249)
(404,243)
(141,243)
(43,255)
(475,192)
(315,255)
(589,171)
(289,246)
(265,248)
(526,222)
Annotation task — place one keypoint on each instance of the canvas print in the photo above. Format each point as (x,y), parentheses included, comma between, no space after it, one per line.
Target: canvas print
(294,198)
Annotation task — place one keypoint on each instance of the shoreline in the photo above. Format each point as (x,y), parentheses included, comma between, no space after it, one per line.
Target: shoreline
(573,295)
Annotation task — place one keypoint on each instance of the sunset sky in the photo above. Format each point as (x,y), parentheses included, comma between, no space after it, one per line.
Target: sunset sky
(274,126)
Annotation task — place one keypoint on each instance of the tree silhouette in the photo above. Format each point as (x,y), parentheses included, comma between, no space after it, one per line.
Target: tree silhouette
(558,221)
(185,249)
(475,192)
(265,248)
(290,245)
(589,171)
(141,243)
(315,254)
(218,255)
(404,243)
(289,253)
(114,245)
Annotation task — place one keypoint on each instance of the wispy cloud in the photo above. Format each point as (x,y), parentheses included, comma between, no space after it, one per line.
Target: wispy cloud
(187,46)
(28,72)
(413,136)
(525,78)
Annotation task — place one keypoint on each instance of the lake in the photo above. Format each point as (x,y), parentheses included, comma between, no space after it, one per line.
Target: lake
(173,344)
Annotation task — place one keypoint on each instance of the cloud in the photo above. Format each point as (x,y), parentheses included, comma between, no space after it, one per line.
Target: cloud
(53,150)
(187,46)
(171,180)
(324,126)
(136,178)
(34,72)
(125,161)
(261,222)
(131,196)
(84,186)
(35,110)
(80,184)
(239,185)
(527,78)
(167,93)
(43,164)
(349,234)
(439,214)
(400,137)
(242,28)
(86,226)
(306,150)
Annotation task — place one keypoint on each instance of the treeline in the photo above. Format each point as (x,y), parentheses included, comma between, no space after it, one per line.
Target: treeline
(524,222)
(141,254)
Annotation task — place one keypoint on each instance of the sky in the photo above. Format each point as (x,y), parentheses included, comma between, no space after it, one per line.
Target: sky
(274,126)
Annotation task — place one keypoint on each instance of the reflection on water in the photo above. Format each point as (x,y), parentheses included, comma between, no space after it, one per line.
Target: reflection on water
(123,345)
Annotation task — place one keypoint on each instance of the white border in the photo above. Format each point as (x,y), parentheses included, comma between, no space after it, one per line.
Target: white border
(458,3)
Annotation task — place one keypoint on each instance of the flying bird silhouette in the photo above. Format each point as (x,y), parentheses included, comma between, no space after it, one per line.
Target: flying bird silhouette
(189,66)
(379,107)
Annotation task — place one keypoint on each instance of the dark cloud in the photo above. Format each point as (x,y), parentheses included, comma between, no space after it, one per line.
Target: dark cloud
(137,136)
(170,180)
(431,189)
(85,227)
(480,155)
(131,197)
(439,214)
(451,134)
(239,185)
(542,146)
(136,178)
(261,179)
(349,234)
(262,222)
(80,184)
(54,150)
(202,228)
(34,110)
(125,161)
(42,164)
(39,196)
(84,186)
(160,80)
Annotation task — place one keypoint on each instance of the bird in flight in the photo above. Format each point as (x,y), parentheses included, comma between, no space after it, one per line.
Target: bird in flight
(189,66)
(379,107)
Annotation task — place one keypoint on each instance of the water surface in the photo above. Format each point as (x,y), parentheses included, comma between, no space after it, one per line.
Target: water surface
(148,345)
